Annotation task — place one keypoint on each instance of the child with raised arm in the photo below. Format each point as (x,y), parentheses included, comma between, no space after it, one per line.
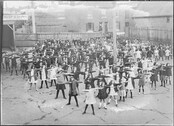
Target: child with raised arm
(90,98)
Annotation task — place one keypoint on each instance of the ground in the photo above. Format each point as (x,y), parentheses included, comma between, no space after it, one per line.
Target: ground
(20,107)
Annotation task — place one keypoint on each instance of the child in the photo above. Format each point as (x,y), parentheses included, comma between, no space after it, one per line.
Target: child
(90,98)
(53,72)
(162,75)
(44,76)
(154,77)
(60,85)
(122,87)
(33,77)
(102,94)
(113,92)
(168,69)
(129,86)
(73,90)
(141,81)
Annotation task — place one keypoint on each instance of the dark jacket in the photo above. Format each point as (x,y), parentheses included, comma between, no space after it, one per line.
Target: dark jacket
(73,88)
(154,76)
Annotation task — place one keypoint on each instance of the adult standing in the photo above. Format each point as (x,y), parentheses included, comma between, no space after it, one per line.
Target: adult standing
(14,64)
(7,63)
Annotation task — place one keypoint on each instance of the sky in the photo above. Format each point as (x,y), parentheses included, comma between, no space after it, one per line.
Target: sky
(17,4)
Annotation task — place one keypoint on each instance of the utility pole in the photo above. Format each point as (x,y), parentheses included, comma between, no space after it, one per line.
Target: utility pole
(114,35)
(33,17)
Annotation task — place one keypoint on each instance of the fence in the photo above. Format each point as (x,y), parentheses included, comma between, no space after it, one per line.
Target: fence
(151,34)
(67,35)
(29,39)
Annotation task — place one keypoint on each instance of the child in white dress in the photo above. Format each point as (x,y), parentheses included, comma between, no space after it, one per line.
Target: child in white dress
(33,77)
(90,98)
(122,89)
(53,74)
(113,92)
(44,76)
(129,86)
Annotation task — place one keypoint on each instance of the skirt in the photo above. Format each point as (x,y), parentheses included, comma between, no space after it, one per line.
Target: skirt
(60,86)
(33,80)
(129,85)
(90,98)
(141,82)
(122,93)
(112,92)
(102,94)
(53,77)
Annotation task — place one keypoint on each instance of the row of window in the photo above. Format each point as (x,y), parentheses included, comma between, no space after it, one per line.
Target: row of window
(90,26)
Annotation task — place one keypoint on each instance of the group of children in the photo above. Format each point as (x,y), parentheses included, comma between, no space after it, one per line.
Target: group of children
(114,85)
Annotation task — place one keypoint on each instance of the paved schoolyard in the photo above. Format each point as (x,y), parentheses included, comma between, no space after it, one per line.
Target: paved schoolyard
(22,107)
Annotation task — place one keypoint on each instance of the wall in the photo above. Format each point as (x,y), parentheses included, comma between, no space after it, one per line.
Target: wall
(76,20)
(156,28)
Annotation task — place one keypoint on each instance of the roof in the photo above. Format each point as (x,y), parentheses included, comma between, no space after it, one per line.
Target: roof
(161,16)
(156,8)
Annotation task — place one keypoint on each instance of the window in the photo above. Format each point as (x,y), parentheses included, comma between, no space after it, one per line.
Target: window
(106,26)
(118,25)
(90,26)
(168,19)
(127,24)
(100,26)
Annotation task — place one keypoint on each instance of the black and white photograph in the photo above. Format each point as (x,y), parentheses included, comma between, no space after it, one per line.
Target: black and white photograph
(86,63)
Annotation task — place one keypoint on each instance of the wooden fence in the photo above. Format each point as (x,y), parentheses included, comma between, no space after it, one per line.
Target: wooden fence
(24,40)
(151,34)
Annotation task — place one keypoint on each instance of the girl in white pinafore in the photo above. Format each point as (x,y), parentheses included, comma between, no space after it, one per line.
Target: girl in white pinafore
(90,98)
(129,86)
(122,87)
(149,68)
(53,73)
(44,76)
(145,63)
(138,54)
(117,79)
(113,92)
(33,77)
